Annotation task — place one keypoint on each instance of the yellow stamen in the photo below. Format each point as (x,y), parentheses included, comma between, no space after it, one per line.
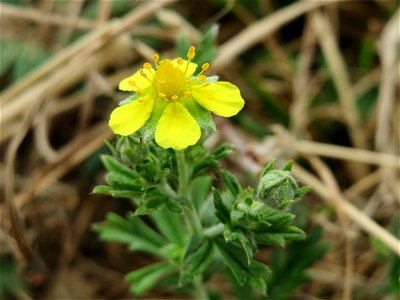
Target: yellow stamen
(191,53)
(202,77)
(180,61)
(160,81)
(139,91)
(132,83)
(142,73)
(187,94)
(145,76)
(156,58)
(147,66)
(174,97)
(205,66)
(162,95)
(205,84)
(141,100)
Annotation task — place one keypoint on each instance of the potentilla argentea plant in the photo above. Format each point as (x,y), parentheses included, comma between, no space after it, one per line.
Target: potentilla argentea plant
(204,221)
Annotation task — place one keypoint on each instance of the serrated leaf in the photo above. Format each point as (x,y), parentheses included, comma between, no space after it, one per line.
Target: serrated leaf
(145,278)
(197,257)
(221,210)
(270,239)
(170,225)
(254,274)
(222,151)
(151,204)
(244,239)
(108,190)
(231,182)
(122,182)
(199,190)
(112,164)
(133,232)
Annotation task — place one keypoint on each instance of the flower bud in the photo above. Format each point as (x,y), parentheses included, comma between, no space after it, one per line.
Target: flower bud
(131,151)
(277,188)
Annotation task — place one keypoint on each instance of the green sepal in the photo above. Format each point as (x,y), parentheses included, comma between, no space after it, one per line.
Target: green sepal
(145,278)
(149,128)
(198,256)
(222,151)
(268,168)
(200,114)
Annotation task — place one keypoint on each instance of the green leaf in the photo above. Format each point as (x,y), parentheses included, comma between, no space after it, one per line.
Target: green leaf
(122,182)
(151,204)
(200,187)
(108,190)
(170,225)
(112,164)
(197,257)
(132,231)
(289,267)
(145,278)
(254,274)
(245,239)
(221,210)
(222,151)
(270,239)
(231,182)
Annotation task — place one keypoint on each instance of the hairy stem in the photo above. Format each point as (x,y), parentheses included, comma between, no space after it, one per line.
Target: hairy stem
(184,173)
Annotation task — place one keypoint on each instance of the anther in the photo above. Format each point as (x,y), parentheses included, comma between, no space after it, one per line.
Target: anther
(147,66)
(206,84)
(174,97)
(187,94)
(162,95)
(139,91)
(180,61)
(156,57)
(160,81)
(141,100)
(202,77)
(142,73)
(132,83)
(205,66)
(191,53)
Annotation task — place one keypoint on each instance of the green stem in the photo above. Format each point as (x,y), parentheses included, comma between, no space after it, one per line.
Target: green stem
(200,292)
(182,173)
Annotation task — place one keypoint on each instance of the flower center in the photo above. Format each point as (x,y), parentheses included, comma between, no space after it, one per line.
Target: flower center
(168,80)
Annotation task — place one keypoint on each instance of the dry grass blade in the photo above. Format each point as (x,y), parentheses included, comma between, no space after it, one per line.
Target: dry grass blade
(7,10)
(256,32)
(350,210)
(347,153)
(389,80)
(336,65)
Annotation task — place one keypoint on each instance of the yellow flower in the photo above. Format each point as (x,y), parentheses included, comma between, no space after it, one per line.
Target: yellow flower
(171,104)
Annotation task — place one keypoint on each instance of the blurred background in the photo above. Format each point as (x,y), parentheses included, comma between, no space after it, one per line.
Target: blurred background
(321,85)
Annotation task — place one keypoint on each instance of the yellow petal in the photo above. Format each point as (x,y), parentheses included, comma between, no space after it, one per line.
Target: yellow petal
(222,98)
(177,129)
(129,118)
(191,69)
(135,81)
